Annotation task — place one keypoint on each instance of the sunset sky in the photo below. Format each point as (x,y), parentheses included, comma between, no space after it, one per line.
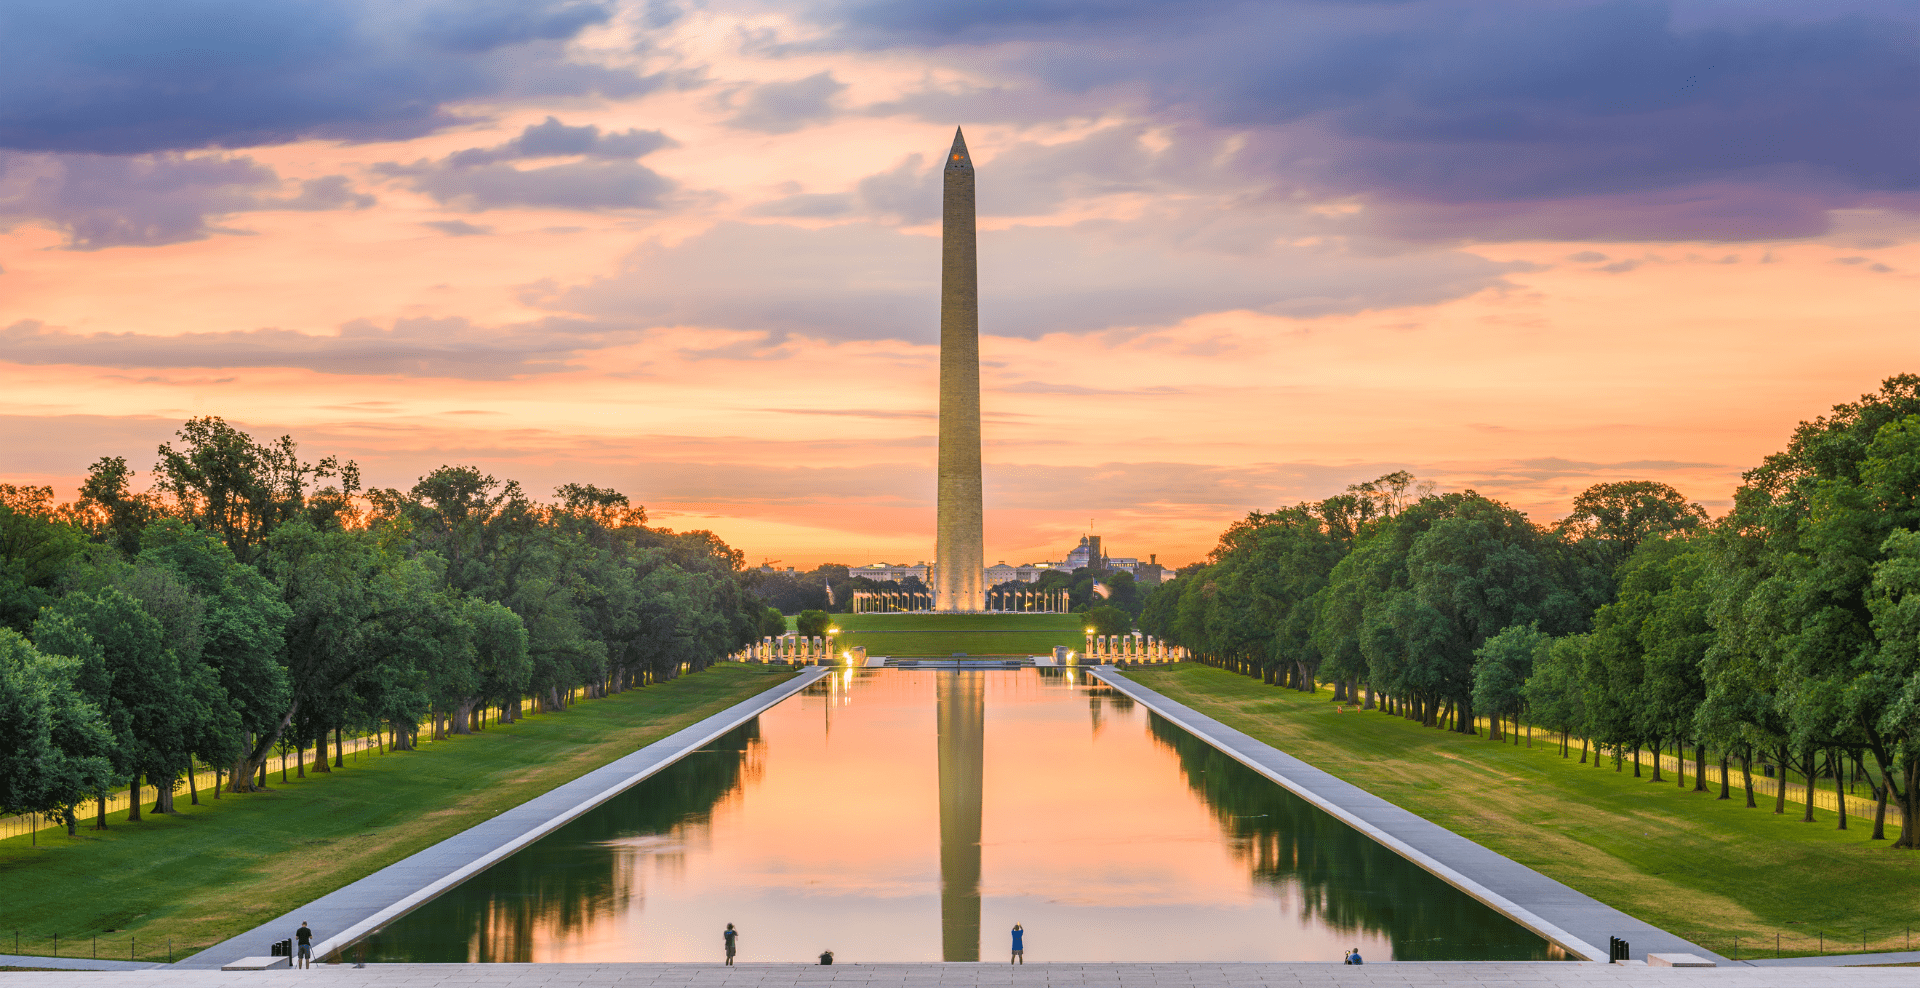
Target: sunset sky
(1233,255)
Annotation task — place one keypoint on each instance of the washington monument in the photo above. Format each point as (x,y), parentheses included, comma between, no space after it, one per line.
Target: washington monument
(960,558)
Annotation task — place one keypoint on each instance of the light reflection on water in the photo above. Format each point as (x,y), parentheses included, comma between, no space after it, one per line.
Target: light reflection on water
(896,815)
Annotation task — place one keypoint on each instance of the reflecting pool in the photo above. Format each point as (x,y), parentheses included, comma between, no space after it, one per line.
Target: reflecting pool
(906,815)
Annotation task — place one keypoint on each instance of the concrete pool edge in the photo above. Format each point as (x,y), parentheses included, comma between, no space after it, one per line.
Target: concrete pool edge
(1541,904)
(364,906)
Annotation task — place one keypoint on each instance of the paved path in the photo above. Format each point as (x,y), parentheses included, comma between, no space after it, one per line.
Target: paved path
(1575,921)
(346,915)
(1565,974)
(75,963)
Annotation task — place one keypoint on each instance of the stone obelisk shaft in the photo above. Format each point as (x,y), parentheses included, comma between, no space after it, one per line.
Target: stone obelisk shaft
(959,555)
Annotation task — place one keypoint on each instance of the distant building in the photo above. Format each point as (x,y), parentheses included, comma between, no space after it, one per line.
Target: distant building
(1000,572)
(889,572)
(1090,552)
(1151,572)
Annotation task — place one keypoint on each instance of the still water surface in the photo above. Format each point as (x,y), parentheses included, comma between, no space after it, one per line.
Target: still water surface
(901,815)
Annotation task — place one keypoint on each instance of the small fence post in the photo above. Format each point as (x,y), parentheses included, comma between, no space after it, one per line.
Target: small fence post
(1736,946)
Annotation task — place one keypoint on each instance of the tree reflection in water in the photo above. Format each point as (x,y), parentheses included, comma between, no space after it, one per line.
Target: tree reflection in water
(589,871)
(1341,876)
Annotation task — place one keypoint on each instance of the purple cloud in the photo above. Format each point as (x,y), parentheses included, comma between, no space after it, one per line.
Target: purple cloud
(1457,110)
(128,76)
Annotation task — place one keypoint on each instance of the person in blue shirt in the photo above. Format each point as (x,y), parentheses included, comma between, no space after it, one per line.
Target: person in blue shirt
(1019,945)
(1353,957)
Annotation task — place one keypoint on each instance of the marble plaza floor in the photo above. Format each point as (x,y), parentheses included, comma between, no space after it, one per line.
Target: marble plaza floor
(1538,974)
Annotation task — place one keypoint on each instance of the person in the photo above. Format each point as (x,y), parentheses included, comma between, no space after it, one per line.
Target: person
(730,936)
(1353,956)
(304,937)
(826,957)
(1019,945)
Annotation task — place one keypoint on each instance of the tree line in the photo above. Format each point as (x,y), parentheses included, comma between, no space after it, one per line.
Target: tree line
(251,600)
(1785,632)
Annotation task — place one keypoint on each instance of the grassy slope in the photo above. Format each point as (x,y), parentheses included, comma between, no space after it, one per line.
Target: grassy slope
(1682,860)
(974,634)
(226,866)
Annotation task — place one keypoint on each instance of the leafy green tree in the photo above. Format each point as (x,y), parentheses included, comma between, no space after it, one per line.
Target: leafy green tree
(1501,670)
(813,624)
(129,674)
(116,514)
(242,636)
(35,548)
(1105,620)
(772,623)
(1890,690)
(1791,616)
(1614,518)
(1554,692)
(55,748)
(240,490)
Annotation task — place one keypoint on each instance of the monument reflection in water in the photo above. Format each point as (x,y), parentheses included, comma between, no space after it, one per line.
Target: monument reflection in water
(904,815)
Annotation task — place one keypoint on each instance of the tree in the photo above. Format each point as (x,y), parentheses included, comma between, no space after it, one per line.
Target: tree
(224,482)
(1554,692)
(813,624)
(1616,517)
(107,500)
(1501,669)
(1791,615)
(772,623)
(1105,620)
(55,747)
(130,675)
(1890,692)
(35,548)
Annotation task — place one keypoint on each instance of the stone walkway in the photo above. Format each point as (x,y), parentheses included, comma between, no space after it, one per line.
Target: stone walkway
(1566,974)
(1575,921)
(349,913)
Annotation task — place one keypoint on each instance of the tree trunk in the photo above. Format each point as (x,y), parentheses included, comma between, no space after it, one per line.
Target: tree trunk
(1909,806)
(463,718)
(255,762)
(163,796)
(320,752)
(72,824)
(1812,780)
(1746,774)
(100,821)
(1725,783)
(1700,767)
(1839,789)
(1780,790)
(1657,752)
(193,791)
(133,799)
(217,773)
(1636,762)
(299,761)
(339,750)
(1493,727)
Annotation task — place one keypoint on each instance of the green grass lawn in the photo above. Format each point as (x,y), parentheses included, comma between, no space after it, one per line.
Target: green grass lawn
(975,634)
(223,867)
(1688,862)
